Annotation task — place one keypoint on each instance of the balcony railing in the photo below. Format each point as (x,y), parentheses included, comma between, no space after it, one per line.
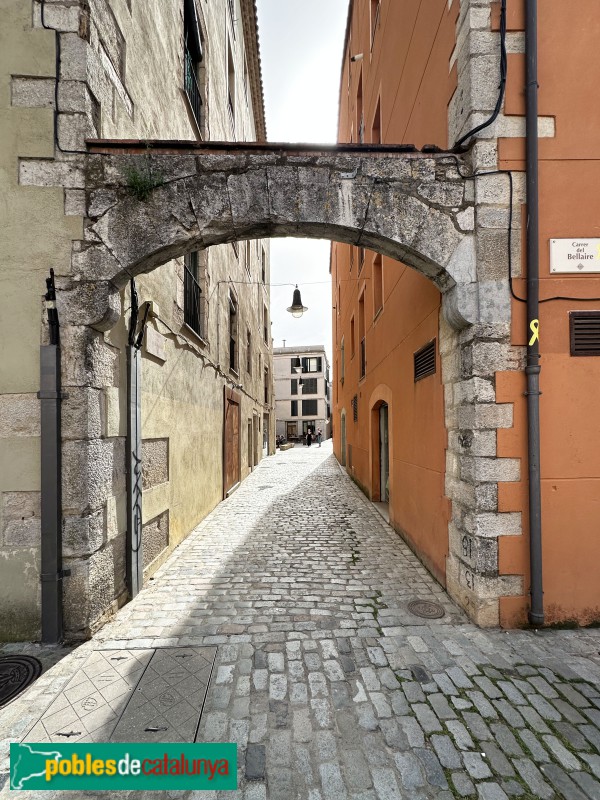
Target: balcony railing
(193,306)
(191,86)
(363,357)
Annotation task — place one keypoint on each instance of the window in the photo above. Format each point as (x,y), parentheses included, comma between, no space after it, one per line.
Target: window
(342,361)
(249,437)
(355,408)
(264,265)
(361,335)
(266,384)
(233,332)
(351,257)
(295,364)
(231,87)
(309,408)
(585,333)
(192,58)
(247,259)
(293,386)
(294,408)
(310,386)
(312,364)
(360,119)
(231,6)
(424,361)
(266,325)
(376,127)
(377,285)
(194,296)
(361,259)
(246,82)
(375,12)
(248,351)
(352,338)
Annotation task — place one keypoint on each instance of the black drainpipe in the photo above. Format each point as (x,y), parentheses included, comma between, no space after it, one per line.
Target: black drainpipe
(134,546)
(536,613)
(50,396)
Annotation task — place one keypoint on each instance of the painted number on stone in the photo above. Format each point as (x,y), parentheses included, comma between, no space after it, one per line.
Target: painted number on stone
(467,547)
(469,579)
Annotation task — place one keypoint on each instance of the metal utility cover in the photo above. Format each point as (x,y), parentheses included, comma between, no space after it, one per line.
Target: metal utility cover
(17,672)
(131,696)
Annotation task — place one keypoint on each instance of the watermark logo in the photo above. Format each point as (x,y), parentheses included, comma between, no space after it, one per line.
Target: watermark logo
(121,766)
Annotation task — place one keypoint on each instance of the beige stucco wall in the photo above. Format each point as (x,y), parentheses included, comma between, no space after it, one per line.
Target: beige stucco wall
(35,236)
(182,397)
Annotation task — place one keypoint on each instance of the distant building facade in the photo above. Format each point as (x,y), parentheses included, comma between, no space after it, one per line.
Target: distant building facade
(181,70)
(302,391)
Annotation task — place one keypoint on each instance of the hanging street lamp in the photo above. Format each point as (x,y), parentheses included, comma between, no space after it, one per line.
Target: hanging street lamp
(297,309)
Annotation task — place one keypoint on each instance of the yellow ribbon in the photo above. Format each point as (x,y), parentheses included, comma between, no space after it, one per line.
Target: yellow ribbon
(535,330)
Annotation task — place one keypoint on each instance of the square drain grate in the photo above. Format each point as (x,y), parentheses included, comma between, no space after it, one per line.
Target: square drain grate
(151,695)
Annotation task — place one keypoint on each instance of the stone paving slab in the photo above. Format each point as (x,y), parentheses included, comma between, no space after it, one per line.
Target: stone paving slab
(138,695)
(296,585)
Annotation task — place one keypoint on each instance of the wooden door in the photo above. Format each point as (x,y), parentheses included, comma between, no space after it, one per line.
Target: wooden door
(232,443)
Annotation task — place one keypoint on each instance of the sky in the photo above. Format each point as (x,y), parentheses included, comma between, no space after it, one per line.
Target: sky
(301,44)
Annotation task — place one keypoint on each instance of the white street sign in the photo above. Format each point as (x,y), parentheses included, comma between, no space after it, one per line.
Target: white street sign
(579,256)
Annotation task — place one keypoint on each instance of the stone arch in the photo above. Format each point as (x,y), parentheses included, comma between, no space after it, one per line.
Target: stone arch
(414,207)
(409,206)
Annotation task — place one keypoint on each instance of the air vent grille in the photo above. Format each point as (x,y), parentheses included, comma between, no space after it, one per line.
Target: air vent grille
(425,361)
(585,333)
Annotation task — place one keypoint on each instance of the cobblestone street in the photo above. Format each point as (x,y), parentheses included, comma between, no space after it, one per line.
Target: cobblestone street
(330,686)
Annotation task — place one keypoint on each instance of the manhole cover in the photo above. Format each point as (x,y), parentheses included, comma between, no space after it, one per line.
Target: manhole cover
(16,674)
(426,608)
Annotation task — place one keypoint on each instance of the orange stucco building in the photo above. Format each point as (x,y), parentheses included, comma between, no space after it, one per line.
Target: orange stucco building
(427,73)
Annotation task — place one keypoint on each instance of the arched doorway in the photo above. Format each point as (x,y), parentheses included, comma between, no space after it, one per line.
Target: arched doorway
(343,438)
(384,454)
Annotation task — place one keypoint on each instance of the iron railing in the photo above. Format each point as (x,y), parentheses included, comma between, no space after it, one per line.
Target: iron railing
(193,306)
(191,86)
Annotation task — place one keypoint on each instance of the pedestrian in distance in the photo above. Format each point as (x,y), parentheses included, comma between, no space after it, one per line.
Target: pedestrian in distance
(308,438)
(319,436)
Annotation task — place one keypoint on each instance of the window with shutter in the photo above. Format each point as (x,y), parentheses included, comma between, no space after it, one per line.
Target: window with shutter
(424,361)
(585,333)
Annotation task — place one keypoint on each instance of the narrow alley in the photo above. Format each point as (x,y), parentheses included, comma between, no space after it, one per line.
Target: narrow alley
(330,686)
